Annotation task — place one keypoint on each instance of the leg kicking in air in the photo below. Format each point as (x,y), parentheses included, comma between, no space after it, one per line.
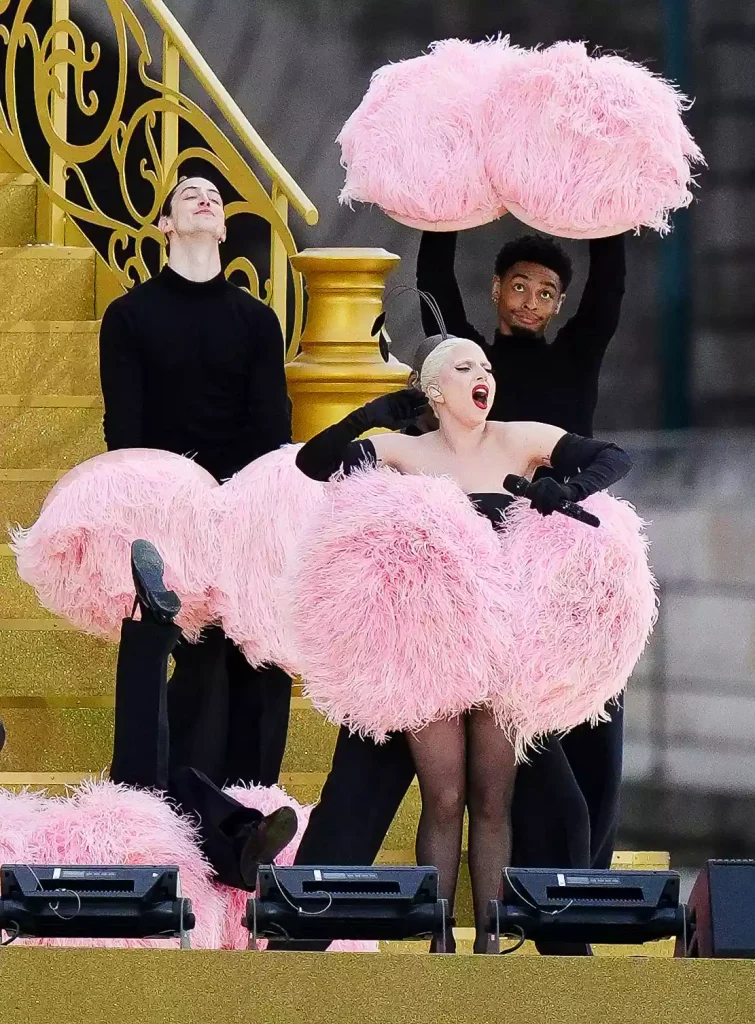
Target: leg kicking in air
(235,838)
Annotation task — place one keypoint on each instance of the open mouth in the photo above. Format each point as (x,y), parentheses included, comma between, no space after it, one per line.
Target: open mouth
(480,396)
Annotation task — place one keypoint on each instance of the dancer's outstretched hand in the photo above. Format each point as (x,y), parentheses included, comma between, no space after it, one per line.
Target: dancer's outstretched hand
(396,410)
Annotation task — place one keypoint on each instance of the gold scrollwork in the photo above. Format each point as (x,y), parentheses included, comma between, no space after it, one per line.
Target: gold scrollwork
(62,60)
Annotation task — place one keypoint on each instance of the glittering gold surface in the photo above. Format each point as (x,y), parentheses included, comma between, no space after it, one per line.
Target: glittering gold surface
(57,739)
(174,987)
(18,208)
(17,599)
(39,662)
(46,283)
(49,438)
(465,941)
(21,500)
(310,742)
(54,358)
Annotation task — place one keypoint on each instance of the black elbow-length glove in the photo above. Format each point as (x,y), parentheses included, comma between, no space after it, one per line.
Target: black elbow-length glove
(587,465)
(324,454)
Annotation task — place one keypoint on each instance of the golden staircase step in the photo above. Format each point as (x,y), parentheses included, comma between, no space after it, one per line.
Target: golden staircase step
(49,357)
(47,282)
(18,208)
(49,432)
(17,599)
(22,492)
(74,732)
(46,657)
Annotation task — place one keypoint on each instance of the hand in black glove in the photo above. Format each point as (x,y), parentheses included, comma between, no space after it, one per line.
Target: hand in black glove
(547,494)
(396,410)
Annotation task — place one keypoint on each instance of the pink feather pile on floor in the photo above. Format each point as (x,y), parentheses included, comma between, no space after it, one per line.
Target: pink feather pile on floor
(102,823)
(571,144)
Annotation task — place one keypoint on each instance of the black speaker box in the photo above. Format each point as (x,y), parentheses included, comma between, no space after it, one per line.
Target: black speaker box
(722,905)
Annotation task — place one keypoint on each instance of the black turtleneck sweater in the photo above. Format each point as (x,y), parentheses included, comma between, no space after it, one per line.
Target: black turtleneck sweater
(196,369)
(553,383)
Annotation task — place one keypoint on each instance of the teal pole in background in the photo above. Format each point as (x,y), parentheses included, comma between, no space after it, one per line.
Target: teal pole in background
(676,255)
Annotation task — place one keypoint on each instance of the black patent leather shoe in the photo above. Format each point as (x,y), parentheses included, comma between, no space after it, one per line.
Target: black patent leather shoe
(2,735)
(156,604)
(265,841)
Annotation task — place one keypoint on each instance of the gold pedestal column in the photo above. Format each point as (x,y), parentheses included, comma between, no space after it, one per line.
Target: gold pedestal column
(340,367)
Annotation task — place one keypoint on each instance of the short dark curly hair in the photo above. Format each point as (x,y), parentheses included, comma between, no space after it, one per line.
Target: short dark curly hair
(535,249)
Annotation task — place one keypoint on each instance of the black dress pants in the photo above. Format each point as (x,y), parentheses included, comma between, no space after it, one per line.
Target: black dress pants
(227,719)
(142,747)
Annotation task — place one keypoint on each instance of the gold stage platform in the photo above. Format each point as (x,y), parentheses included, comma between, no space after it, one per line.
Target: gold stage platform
(174,987)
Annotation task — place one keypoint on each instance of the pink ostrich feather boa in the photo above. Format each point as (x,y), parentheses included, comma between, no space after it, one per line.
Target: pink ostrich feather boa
(576,145)
(76,556)
(103,823)
(407,607)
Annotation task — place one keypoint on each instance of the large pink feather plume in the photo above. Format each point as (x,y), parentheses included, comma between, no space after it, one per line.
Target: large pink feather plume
(583,146)
(416,144)
(260,512)
(586,606)
(408,607)
(77,553)
(571,144)
(394,603)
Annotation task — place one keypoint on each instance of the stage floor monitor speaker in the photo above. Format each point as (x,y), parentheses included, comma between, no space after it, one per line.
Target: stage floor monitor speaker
(722,906)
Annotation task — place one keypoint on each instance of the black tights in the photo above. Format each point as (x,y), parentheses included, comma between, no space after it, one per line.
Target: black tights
(465,762)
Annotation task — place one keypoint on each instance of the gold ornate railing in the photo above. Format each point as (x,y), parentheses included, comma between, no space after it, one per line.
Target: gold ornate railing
(62,60)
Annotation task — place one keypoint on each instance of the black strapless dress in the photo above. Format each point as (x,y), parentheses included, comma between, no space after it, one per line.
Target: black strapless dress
(492,506)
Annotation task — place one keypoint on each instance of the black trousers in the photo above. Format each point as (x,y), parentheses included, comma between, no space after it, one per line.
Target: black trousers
(564,812)
(227,719)
(144,754)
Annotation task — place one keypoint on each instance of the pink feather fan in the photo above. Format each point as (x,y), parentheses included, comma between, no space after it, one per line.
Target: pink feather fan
(103,823)
(575,145)
(583,146)
(416,144)
(77,553)
(586,605)
(259,514)
(407,607)
(395,605)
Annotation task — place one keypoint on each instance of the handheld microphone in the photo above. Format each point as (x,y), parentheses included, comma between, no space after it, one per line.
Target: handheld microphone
(519,485)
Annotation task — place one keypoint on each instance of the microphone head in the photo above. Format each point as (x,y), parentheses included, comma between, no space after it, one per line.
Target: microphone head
(516,484)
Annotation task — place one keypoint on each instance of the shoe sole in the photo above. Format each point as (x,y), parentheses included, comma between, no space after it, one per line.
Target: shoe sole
(147,565)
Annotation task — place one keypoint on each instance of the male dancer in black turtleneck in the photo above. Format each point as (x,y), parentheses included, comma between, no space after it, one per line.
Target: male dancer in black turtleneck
(192,364)
(566,799)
